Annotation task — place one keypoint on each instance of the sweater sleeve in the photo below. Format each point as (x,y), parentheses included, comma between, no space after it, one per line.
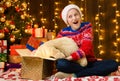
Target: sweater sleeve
(59,34)
(85,45)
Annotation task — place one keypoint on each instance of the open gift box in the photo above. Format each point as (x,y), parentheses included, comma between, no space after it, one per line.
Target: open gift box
(35,68)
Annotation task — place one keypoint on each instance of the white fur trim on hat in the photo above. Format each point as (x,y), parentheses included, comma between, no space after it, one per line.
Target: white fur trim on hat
(66,9)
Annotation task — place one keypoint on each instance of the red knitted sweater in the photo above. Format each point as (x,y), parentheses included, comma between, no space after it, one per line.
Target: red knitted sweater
(84,39)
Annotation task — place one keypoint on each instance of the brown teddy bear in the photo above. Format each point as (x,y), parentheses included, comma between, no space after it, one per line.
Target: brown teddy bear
(59,48)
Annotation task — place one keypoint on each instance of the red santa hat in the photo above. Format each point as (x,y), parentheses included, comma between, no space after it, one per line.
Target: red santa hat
(66,9)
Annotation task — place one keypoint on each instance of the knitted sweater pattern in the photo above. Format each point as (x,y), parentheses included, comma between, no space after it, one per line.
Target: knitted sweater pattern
(83,38)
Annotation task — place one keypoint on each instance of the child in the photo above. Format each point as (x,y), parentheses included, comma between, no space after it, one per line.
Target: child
(81,33)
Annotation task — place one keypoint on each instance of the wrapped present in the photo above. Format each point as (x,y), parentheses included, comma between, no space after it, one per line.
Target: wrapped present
(33,43)
(3,46)
(12,65)
(40,68)
(51,35)
(45,31)
(3,57)
(14,47)
(38,32)
(15,59)
(2,66)
(24,40)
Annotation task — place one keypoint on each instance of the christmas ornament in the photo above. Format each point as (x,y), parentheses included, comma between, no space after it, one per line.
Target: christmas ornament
(27,31)
(2,10)
(2,19)
(12,26)
(17,9)
(22,17)
(24,5)
(7,22)
(36,26)
(28,26)
(12,38)
(15,31)
(15,0)
(6,30)
(2,35)
(8,4)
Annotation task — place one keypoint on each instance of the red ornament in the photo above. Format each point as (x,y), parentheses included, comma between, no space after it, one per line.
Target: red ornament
(17,9)
(12,36)
(12,22)
(28,26)
(6,30)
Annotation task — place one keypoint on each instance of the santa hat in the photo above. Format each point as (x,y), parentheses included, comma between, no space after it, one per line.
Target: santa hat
(66,9)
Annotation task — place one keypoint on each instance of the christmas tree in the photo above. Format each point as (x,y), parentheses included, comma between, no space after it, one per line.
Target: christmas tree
(15,20)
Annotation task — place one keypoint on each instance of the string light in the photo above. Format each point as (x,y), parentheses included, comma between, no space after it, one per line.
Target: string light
(99,28)
(117,39)
(56,14)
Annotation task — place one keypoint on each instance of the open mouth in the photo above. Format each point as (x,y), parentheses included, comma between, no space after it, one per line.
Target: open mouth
(75,22)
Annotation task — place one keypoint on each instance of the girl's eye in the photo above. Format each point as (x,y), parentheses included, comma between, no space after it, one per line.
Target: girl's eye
(75,14)
(70,16)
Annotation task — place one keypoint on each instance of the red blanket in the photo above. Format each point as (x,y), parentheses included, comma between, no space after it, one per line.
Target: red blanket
(14,75)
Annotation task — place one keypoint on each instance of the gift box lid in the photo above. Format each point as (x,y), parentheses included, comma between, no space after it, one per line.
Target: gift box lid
(28,53)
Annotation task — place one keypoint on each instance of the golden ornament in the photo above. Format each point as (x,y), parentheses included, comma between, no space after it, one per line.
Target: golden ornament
(8,4)
(28,31)
(2,10)
(2,35)
(2,19)
(7,22)
(12,39)
(36,26)
(22,17)
(16,31)
(24,4)
(12,26)
(15,0)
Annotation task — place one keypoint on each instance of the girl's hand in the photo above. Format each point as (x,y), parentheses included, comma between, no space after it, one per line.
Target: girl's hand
(69,58)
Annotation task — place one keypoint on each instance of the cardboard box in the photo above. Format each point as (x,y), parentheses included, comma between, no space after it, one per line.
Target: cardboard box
(35,68)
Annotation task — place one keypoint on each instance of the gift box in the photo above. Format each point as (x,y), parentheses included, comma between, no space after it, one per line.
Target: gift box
(15,59)
(9,65)
(3,57)
(38,32)
(51,35)
(2,66)
(24,40)
(3,46)
(14,47)
(33,43)
(40,68)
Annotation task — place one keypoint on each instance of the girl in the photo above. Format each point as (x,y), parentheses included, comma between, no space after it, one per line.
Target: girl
(81,33)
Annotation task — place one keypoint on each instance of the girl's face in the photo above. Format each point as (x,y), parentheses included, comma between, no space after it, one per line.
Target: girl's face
(74,19)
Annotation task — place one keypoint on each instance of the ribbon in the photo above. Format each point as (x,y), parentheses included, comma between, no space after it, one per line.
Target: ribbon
(2,46)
